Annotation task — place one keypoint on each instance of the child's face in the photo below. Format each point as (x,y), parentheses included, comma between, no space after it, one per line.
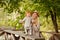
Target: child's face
(28,14)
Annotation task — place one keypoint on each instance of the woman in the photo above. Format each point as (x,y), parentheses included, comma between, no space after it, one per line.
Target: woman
(35,23)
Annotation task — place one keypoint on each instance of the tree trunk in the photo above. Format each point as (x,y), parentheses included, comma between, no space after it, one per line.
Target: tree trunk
(54,20)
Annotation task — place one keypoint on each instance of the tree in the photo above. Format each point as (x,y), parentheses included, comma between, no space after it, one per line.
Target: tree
(51,6)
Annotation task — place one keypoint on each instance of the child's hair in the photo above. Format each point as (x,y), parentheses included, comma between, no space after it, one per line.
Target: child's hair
(27,12)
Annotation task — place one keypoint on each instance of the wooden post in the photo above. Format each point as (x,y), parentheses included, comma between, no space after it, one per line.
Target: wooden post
(6,36)
(21,38)
(12,37)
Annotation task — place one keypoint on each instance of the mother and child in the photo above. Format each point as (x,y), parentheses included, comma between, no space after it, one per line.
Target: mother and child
(31,23)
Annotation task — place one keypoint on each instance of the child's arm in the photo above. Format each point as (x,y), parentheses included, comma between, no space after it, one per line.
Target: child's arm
(21,21)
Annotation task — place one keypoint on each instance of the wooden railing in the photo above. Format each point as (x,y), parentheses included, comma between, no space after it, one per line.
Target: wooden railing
(21,35)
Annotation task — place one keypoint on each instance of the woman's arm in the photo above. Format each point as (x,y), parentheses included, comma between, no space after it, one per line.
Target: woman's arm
(38,24)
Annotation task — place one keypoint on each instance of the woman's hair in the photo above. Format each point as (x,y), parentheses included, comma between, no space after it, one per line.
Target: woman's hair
(36,13)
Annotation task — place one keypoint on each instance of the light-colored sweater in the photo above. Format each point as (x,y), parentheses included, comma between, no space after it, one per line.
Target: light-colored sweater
(27,21)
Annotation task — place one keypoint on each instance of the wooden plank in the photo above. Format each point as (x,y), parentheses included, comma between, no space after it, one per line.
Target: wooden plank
(21,33)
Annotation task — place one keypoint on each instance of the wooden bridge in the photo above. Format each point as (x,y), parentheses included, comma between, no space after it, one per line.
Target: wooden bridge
(19,35)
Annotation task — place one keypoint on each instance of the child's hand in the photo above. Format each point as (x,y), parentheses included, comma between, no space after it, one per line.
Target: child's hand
(20,21)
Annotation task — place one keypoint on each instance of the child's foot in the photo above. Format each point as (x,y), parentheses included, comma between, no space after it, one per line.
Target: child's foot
(30,34)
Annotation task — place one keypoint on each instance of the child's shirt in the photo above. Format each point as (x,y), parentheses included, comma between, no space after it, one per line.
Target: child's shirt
(27,21)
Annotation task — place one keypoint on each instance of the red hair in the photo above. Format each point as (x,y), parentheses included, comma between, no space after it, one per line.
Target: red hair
(27,12)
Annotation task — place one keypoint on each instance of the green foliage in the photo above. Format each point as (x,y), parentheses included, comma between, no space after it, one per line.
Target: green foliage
(20,6)
(42,6)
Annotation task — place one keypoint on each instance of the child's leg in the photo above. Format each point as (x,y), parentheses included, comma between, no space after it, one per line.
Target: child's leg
(26,31)
(30,31)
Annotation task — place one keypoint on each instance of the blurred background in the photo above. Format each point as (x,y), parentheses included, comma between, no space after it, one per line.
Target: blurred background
(11,11)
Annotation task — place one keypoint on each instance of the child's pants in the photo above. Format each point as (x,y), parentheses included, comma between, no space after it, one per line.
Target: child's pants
(28,30)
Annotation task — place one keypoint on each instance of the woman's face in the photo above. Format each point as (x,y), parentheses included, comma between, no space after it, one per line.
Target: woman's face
(34,15)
